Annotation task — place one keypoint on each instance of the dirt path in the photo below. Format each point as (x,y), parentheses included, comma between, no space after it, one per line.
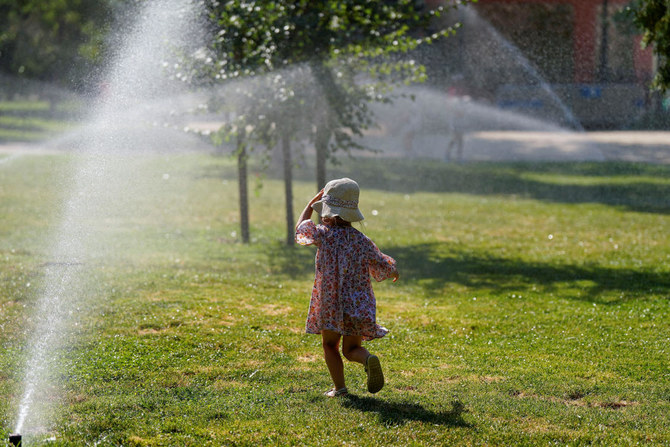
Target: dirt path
(647,147)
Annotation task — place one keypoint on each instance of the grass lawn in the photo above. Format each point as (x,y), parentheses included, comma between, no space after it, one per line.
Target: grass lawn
(33,121)
(532,308)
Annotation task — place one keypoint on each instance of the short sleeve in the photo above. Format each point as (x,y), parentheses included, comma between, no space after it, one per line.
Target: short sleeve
(381,266)
(307,233)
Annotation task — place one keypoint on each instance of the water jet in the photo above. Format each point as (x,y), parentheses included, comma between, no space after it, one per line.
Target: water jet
(107,169)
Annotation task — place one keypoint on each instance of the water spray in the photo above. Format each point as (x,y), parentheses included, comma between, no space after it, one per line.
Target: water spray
(15,439)
(102,177)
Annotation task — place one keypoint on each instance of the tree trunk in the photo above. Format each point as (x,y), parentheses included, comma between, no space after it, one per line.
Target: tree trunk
(288,188)
(324,78)
(603,70)
(243,188)
(321,147)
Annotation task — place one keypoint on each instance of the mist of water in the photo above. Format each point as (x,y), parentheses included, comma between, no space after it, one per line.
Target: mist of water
(480,66)
(108,168)
(140,92)
(507,51)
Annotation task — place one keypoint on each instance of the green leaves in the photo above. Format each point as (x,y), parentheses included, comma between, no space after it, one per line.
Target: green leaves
(653,18)
(332,42)
(47,40)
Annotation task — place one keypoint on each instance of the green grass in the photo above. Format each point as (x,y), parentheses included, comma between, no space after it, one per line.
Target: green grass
(24,106)
(532,308)
(32,121)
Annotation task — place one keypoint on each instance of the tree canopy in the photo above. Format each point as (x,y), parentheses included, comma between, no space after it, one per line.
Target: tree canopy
(326,61)
(52,40)
(653,18)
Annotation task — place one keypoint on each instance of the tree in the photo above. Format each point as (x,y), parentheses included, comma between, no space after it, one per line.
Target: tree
(653,18)
(55,41)
(342,40)
(246,105)
(239,48)
(351,49)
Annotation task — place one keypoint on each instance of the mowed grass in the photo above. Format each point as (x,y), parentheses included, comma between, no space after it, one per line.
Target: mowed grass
(532,309)
(32,121)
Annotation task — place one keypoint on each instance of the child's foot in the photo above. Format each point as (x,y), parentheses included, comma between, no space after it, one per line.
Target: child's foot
(335,393)
(375,376)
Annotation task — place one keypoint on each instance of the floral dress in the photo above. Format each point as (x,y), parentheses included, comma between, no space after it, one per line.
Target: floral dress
(342,297)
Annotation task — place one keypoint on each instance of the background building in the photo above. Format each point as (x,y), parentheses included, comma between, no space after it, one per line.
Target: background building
(576,62)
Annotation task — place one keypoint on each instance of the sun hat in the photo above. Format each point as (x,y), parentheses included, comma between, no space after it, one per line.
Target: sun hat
(340,198)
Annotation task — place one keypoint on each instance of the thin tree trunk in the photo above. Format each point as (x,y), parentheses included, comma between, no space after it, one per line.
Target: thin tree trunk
(321,146)
(243,188)
(603,71)
(324,78)
(288,188)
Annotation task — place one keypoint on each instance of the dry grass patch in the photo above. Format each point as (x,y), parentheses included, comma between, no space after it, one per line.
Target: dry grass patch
(540,426)
(491,379)
(223,384)
(309,358)
(577,401)
(615,405)
(274,309)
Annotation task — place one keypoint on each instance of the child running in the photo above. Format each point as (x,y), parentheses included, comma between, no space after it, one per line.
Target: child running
(343,305)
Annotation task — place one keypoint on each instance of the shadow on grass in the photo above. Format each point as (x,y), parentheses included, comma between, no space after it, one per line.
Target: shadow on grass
(638,187)
(634,186)
(397,413)
(434,267)
(294,261)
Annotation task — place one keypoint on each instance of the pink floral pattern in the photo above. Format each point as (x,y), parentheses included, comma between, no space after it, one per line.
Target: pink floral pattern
(342,297)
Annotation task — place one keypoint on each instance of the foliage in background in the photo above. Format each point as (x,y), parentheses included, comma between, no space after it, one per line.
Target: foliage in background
(59,41)
(653,18)
(28,119)
(354,52)
(325,60)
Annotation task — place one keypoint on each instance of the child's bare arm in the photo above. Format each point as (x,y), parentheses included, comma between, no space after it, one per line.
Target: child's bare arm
(307,212)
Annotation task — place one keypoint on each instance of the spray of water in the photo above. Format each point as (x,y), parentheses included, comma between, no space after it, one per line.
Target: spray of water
(436,118)
(139,93)
(509,52)
(106,171)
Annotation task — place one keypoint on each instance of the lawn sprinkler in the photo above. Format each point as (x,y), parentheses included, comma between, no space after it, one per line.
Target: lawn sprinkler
(15,439)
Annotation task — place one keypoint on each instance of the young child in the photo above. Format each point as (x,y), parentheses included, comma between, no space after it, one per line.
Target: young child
(343,305)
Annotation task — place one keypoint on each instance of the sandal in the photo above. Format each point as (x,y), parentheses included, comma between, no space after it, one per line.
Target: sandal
(335,392)
(374,371)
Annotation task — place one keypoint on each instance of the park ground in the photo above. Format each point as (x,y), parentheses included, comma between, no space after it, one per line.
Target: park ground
(532,307)
(499,146)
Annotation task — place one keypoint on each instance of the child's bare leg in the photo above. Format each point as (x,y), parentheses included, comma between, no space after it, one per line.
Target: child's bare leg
(331,352)
(352,349)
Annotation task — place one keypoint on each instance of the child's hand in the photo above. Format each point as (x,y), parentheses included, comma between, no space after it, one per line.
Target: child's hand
(316,198)
(307,212)
(395,276)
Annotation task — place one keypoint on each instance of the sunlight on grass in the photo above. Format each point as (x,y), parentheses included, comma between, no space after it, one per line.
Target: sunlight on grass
(629,180)
(24,106)
(32,121)
(531,310)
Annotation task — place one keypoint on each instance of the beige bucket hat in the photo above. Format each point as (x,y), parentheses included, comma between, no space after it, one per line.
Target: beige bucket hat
(340,198)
